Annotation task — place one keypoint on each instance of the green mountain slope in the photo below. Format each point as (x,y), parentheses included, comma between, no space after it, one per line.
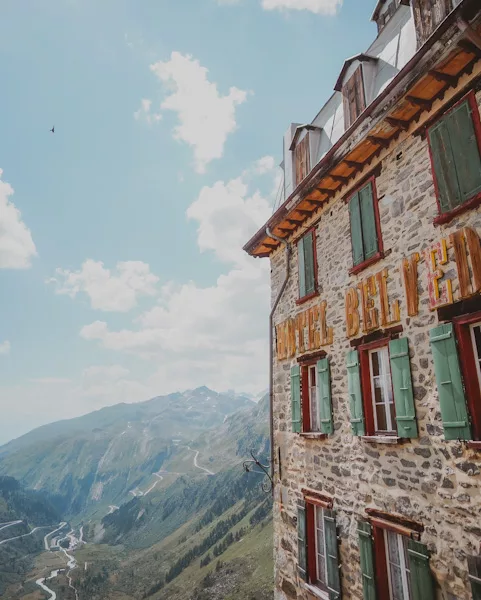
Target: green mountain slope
(101,459)
(22,511)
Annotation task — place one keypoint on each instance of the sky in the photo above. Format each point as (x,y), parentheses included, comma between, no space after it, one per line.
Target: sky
(122,274)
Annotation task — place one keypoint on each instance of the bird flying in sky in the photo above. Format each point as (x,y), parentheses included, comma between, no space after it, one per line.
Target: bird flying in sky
(53,129)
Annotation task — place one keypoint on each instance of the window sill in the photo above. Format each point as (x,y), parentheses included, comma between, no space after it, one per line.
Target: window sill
(314,435)
(308,297)
(315,591)
(381,439)
(367,263)
(446,217)
(475,445)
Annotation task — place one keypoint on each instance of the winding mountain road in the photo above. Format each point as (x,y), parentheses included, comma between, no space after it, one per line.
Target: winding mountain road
(11,524)
(196,464)
(17,537)
(40,583)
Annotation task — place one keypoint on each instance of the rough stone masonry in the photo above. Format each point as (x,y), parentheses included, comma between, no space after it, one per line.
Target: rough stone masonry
(426,479)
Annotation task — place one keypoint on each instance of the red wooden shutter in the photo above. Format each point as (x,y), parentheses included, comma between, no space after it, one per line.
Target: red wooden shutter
(353,97)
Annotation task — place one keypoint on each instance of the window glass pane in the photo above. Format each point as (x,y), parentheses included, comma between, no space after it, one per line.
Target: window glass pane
(398,566)
(381,390)
(381,417)
(320,546)
(476,341)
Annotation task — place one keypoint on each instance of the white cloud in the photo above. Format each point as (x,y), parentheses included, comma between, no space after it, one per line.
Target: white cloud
(116,292)
(206,117)
(51,380)
(215,335)
(264,165)
(320,7)
(5,347)
(16,244)
(145,112)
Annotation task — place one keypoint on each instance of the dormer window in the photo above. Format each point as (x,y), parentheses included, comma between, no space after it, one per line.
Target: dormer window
(384,12)
(302,159)
(352,84)
(354,97)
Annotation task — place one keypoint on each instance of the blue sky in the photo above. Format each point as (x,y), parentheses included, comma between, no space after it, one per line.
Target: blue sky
(120,234)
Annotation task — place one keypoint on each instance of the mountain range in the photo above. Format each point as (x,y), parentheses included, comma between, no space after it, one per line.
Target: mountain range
(157,491)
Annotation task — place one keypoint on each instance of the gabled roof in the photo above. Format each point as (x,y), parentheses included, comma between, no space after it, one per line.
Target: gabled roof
(361,58)
(379,5)
(299,130)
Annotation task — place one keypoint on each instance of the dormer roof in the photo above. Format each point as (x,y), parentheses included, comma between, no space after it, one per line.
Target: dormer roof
(359,57)
(299,130)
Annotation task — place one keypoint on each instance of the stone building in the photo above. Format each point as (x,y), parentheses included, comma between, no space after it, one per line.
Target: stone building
(376,320)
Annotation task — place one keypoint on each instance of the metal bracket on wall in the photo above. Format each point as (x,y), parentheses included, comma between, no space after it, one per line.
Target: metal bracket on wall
(249,467)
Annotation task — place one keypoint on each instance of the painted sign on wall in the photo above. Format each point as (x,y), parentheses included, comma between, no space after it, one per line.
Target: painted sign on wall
(368,306)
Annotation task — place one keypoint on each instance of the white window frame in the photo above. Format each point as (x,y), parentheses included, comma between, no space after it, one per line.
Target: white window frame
(314,408)
(477,358)
(385,378)
(319,514)
(404,566)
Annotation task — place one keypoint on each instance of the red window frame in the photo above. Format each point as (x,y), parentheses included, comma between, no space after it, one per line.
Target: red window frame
(380,558)
(311,537)
(366,389)
(475,201)
(380,246)
(469,369)
(315,293)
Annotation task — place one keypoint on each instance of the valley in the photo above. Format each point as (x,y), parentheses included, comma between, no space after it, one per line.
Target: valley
(153,500)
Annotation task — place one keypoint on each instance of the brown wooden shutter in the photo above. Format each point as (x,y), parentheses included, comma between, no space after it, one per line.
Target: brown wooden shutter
(353,97)
(302,159)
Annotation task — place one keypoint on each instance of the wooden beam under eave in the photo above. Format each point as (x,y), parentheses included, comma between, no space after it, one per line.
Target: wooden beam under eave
(471,34)
(451,80)
(302,211)
(398,123)
(284,230)
(422,102)
(353,164)
(294,221)
(327,191)
(340,178)
(271,246)
(378,141)
(470,48)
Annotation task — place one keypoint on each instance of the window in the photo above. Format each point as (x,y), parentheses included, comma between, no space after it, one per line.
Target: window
(459,382)
(306,260)
(302,159)
(319,547)
(311,398)
(380,389)
(455,157)
(354,98)
(393,565)
(399,574)
(474,566)
(318,558)
(365,230)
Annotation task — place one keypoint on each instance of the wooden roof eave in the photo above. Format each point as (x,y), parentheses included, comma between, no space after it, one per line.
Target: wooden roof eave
(343,149)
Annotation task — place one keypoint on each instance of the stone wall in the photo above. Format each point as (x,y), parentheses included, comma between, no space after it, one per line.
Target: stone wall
(428,479)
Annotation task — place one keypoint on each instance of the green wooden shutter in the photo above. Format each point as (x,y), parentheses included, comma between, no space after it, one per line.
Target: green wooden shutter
(450,386)
(449,193)
(366,553)
(356,231)
(465,150)
(301,268)
(474,567)
(403,388)
(302,540)
(422,587)
(296,398)
(355,394)
(324,391)
(368,220)
(332,555)
(310,276)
